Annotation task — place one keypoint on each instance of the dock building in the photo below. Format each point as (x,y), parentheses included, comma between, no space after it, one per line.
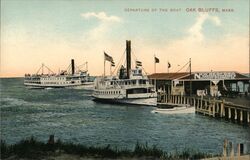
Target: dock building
(223,83)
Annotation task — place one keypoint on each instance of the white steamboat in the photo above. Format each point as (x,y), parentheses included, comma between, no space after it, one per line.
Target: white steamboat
(65,79)
(130,86)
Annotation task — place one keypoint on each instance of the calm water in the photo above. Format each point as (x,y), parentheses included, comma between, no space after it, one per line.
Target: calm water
(71,115)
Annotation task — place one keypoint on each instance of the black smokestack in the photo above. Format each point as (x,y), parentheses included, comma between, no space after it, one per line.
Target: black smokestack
(128,49)
(72,66)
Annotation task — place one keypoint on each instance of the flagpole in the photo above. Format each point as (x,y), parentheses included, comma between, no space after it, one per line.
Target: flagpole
(168,67)
(104,66)
(155,72)
(110,68)
(190,79)
(155,64)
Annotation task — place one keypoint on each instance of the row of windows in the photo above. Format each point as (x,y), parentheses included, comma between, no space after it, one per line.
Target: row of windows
(58,82)
(68,82)
(137,72)
(57,78)
(53,83)
(75,78)
(108,92)
(32,79)
(34,82)
(130,82)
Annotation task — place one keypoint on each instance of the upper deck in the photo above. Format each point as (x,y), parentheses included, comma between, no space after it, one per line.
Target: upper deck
(137,80)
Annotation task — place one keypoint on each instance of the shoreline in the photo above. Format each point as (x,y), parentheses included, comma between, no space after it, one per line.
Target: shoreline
(31,148)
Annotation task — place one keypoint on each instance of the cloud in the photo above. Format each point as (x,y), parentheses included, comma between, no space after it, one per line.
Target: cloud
(101,32)
(101,16)
(228,53)
(102,29)
(195,31)
(100,38)
(222,53)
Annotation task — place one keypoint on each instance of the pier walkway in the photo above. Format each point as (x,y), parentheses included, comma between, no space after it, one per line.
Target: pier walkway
(245,101)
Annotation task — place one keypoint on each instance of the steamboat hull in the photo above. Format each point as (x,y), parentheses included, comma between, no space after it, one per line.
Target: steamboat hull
(134,101)
(88,86)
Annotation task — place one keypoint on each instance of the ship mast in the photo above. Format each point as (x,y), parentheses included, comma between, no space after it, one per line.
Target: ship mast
(190,79)
(72,66)
(128,57)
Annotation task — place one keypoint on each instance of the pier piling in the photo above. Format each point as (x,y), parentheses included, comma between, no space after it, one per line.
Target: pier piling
(231,147)
(225,149)
(238,151)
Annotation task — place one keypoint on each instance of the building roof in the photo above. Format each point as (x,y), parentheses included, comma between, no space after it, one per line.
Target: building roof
(200,76)
(168,76)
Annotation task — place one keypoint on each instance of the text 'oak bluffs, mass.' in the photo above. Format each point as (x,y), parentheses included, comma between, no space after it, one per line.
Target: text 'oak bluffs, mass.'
(187,10)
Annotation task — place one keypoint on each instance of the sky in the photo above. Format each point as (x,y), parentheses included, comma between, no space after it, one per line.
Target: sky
(55,31)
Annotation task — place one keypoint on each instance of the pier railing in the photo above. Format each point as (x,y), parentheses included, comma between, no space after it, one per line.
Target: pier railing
(211,106)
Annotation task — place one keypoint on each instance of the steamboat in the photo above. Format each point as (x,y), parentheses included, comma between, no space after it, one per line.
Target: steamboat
(128,86)
(70,78)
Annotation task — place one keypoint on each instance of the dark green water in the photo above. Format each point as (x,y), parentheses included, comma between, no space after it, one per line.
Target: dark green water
(72,116)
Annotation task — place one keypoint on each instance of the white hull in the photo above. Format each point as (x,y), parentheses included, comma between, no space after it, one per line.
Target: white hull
(88,86)
(175,110)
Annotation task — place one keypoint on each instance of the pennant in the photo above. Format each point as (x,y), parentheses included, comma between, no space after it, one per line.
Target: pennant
(157,60)
(107,57)
(138,63)
(169,65)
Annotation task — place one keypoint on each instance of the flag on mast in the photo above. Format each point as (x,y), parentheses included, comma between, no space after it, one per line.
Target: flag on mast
(157,60)
(138,63)
(169,65)
(108,57)
(113,64)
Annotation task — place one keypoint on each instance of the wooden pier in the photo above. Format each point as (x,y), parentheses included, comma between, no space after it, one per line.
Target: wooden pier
(212,107)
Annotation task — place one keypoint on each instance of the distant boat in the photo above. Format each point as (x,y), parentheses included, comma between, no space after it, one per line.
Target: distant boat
(130,86)
(65,79)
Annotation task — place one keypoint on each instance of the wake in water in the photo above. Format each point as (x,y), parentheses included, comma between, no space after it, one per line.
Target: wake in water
(9,102)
